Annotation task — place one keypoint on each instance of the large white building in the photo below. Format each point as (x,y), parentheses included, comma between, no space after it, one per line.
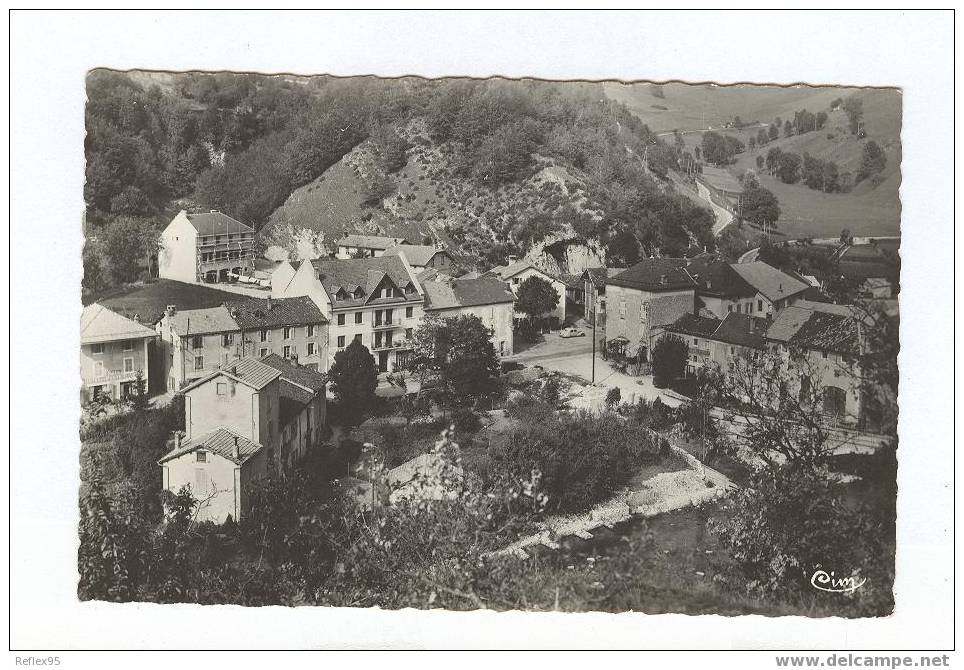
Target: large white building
(375,300)
(208,247)
(485,297)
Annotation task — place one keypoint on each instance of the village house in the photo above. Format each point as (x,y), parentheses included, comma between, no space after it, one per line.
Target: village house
(744,288)
(113,350)
(363,246)
(376,301)
(485,297)
(594,289)
(643,299)
(209,247)
(826,335)
(241,423)
(422,256)
(517,272)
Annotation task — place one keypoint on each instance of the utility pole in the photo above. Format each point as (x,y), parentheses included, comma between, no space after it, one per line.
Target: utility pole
(594,317)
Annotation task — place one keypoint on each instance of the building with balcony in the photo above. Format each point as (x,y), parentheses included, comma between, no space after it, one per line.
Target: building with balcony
(113,351)
(365,246)
(484,297)
(375,300)
(210,247)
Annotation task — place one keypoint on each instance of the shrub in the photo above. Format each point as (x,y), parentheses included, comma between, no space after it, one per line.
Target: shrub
(465,421)
(582,458)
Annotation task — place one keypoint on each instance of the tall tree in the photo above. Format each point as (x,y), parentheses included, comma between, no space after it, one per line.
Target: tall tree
(460,353)
(854,108)
(872,161)
(760,206)
(354,378)
(669,360)
(536,297)
(127,245)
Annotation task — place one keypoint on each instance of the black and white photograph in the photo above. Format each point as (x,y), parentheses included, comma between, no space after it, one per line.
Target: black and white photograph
(412,341)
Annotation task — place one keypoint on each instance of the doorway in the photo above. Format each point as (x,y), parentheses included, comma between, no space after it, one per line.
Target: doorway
(383,361)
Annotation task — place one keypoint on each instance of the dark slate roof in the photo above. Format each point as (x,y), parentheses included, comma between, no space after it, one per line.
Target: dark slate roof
(466,293)
(572,281)
(769,281)
(743,330)
(786,323)
(217,223)
(664,310)
(148,301)
(254,313)
(203,321)
(655,274)
(690,324)
(365,273)
(739,329)
(219,441)
(297,374)
(715,277)
(828,332)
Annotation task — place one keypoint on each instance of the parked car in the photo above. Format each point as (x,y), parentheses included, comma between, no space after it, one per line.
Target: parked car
(571,332)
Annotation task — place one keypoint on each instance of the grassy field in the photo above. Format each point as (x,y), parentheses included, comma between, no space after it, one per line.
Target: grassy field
(867,210)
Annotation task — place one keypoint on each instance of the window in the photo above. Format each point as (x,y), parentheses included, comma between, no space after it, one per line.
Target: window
(264,335)
(358,317)
(287,351)
(695,341)
(310,331)
(824,354)
(378,340)
(227,340)
(263,352)
(359,293)
(501,347)
(311,348)
(129,364)
(759,305)
(732,351)
(358,338)
(622,307)
(202,456)
(199,362)
(738,309)
(98,368)
(341,341)
(197,342)
(408,312)
(222,388)
(287,332)
(341,319)
(128,345)
(408,333)
(515,281)
(97,349)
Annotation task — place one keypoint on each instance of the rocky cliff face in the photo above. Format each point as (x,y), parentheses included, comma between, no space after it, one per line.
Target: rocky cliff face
(559,255)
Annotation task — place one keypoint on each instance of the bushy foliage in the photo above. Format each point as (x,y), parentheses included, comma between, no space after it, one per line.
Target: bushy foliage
(536,296)
(457,352)
(788,523)
(354,378)
(669,360)
(582,458)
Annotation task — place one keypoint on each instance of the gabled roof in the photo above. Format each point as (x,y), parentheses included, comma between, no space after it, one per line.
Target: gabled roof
(416,254)
(457,293)
(255,313)
(599,276)
(219,441)
(786,323)
(739,329)
(572,281)
(370,241)
(655,274)
(366,273)
(772,283)
(690,324)
(514,268)
(828,332)
(149,300)
(715,277)
(302,376)
(217,223)
(666,309)
(203,321)
(99,324)
(248,371)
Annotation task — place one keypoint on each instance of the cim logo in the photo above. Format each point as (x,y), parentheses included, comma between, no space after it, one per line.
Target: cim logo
(832,584)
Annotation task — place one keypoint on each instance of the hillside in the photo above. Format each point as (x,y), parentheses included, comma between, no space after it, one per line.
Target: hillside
(867,210)
(428,200)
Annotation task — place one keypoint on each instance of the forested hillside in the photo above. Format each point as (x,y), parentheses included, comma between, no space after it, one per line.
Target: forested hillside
(493,167)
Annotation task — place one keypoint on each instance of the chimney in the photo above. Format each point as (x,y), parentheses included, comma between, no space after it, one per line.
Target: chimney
(237,449)
(171,309)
